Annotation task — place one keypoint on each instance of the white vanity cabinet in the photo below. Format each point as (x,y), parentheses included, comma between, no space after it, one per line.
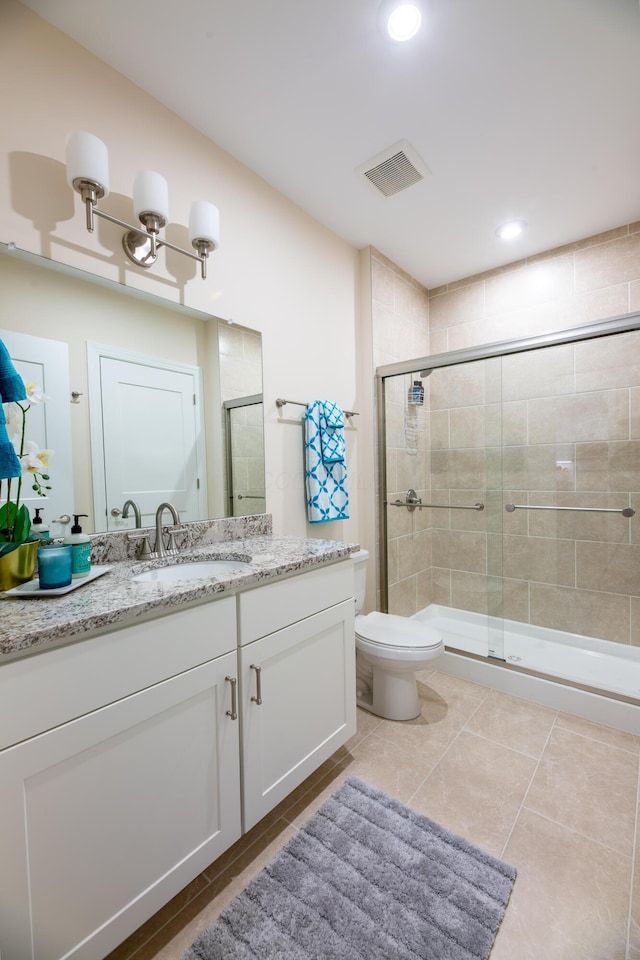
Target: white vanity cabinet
(130,760)
(106,816)
(297,678)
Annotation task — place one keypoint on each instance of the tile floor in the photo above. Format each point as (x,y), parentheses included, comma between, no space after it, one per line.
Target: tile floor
(556,796)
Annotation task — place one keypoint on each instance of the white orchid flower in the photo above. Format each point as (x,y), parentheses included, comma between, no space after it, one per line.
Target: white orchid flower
(33,459)
(35,394)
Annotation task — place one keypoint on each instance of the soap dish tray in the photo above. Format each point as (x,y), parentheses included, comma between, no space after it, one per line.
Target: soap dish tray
(32,587)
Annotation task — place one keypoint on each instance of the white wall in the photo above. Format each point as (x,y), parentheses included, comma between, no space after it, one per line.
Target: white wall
(277,271)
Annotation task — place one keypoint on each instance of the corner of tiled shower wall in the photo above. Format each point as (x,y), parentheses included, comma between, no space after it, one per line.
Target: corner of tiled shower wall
(571,406)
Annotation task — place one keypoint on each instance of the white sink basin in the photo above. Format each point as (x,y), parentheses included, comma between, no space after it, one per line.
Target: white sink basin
(190,571)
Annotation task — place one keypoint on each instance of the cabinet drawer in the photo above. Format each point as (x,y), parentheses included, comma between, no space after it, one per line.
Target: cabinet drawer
(276,605)
(49,688)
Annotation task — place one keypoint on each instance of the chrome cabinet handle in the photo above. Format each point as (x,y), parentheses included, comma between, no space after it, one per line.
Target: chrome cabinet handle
(233,713)
(258,697)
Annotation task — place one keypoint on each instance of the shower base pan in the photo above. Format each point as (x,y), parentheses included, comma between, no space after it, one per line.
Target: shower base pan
(596,679)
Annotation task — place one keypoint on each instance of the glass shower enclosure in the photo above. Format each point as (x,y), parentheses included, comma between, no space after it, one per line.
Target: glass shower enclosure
(509,500)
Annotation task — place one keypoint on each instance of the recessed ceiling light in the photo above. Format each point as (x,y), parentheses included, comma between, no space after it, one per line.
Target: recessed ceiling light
(401,19)
(511,229)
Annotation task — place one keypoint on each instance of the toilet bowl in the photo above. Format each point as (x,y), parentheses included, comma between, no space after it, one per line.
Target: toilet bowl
(389,651)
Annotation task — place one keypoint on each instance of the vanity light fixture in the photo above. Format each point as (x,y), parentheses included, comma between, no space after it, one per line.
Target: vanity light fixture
(511,229)
(400,19)
(88,173)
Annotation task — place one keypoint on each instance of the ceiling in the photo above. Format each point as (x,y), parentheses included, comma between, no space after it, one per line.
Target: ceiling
(519,110)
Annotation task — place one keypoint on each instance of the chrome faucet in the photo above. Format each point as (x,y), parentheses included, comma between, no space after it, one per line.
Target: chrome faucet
(161,550)
(136,511)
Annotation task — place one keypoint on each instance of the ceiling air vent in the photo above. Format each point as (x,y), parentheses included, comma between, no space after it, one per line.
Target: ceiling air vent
(394,169)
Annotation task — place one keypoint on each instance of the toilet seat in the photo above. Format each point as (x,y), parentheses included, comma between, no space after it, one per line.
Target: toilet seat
(391,637)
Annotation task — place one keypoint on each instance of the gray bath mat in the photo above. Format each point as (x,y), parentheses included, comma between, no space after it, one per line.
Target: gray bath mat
(365,877)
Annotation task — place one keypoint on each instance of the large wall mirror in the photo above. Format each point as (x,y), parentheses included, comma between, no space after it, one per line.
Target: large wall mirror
(160,402)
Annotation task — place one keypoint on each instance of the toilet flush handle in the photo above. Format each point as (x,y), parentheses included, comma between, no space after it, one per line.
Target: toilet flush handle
(258,697)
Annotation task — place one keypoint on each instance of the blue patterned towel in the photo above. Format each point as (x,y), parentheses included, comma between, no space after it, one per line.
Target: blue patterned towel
(326,480)
(331,431)
(11,388)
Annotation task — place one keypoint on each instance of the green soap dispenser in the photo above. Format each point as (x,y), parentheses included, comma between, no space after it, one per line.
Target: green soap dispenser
(80,548)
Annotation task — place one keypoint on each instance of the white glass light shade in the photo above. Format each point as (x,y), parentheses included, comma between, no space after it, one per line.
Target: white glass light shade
(87,159)
(404,21)
(151,194)
(204,223)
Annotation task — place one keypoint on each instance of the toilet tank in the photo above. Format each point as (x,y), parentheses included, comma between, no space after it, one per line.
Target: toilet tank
(360,558)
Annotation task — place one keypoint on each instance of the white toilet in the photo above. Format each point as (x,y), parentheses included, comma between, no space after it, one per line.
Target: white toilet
(389,650)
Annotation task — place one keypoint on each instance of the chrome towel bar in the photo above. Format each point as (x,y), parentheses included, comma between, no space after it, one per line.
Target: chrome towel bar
(625,511)
(298,403)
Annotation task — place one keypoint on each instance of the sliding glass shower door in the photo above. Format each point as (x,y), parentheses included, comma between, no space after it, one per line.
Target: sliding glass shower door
(509,499)
(441,502)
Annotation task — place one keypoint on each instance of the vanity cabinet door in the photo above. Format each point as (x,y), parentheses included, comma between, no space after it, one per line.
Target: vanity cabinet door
(105,818)
(304,676)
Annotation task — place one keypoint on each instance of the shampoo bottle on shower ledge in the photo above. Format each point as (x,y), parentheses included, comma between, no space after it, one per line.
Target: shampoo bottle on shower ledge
(80,548)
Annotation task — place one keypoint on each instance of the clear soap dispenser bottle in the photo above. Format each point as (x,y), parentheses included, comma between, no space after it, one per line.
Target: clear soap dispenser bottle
(80,548)
(38,526)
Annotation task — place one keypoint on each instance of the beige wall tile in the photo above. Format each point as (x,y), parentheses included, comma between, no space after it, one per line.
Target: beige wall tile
(441,586)
(403,597)
(414,554)
(382,283)
(634,426)
(589,613)
(588,786)
(532,284)
(462,469)
(574,311)
(410,301)
(634,296)
(614,567)
(515,600)
(460,550)
(458,306)
(470,591)
(540,373)
(458,386)
(537,468)
(578,526)
(601,415)
(617,261)
(635,621)
(608,362)
(541,559)
(608,466)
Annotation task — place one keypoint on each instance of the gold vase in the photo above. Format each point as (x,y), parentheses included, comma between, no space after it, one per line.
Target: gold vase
(18,566)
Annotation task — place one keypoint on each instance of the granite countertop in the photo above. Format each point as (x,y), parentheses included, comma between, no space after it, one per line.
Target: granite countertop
(115,599)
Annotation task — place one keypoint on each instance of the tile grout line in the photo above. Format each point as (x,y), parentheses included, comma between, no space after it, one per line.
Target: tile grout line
(635,865)
(444,753)
(526,793)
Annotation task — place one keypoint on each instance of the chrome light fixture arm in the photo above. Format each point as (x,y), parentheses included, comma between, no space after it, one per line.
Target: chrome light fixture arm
(141,246)
(88,174)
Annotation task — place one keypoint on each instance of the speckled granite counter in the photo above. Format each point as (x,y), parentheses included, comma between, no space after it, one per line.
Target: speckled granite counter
(115,599)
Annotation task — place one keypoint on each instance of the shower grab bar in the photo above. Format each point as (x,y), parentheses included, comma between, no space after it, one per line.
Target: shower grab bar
(410,504)
(625,511)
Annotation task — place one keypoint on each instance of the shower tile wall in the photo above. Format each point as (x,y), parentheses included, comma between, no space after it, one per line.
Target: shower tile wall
(400,330)
(240,353)
(571,434)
